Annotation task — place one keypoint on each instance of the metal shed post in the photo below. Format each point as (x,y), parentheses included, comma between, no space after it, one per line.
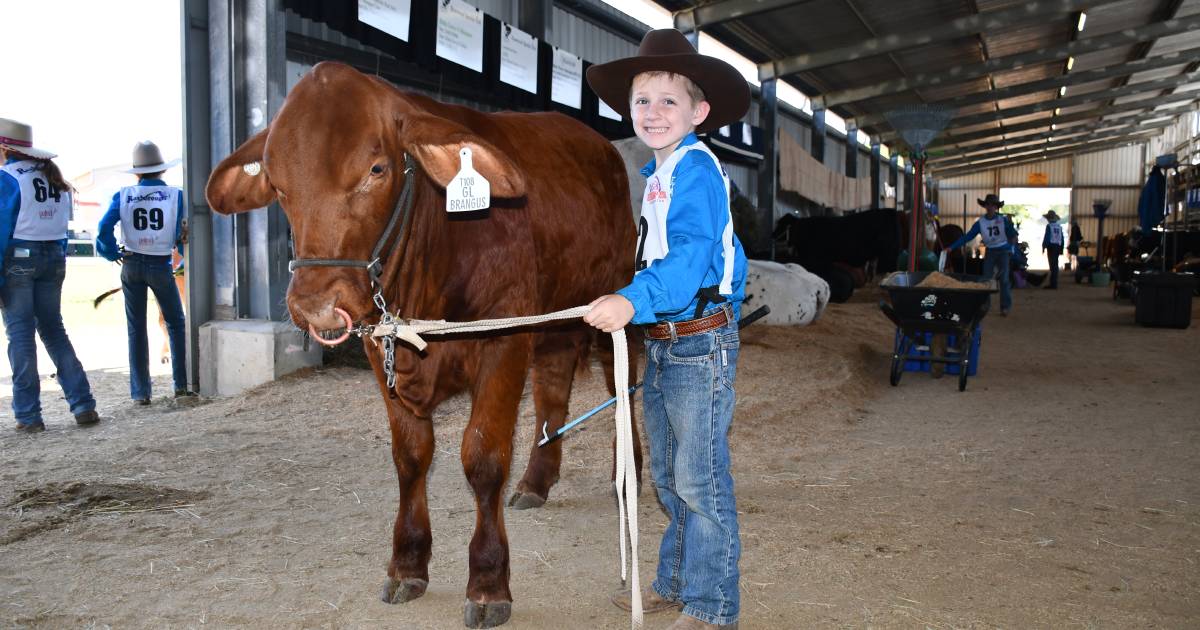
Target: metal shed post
(876,173)
(196,168)
(235,78)
(768,169)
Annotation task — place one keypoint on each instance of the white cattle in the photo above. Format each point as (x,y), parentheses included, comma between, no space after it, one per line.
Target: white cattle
(635,154)
(796,297)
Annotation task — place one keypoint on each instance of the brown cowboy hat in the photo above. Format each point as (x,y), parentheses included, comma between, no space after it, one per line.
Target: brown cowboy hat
(1051,216)
(991,199)
(667,50)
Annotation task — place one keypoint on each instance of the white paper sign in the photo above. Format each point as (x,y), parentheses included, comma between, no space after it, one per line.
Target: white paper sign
(566,83)
(389,16)
(518,58)
(460,34)
(468,190)
(607,111)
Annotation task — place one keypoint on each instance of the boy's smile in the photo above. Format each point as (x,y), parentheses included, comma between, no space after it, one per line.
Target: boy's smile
(663,112)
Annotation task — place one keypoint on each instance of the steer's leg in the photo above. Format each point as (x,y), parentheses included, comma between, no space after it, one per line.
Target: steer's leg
(412,452)
(486,455)
(555,355)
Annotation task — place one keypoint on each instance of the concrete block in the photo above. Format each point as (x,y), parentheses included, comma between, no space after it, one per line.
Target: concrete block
(236,355)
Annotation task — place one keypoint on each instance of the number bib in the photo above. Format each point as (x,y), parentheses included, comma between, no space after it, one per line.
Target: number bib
(148,215)
(656,201)
(45,210)
(1056,234)
(992,232)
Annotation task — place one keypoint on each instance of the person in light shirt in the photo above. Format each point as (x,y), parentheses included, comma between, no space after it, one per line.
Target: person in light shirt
(151,217)
(35,206)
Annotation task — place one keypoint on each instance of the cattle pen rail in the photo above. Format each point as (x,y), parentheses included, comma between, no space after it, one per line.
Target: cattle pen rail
(410,331)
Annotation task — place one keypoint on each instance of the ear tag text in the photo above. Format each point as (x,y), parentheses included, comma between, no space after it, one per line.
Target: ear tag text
(468,190)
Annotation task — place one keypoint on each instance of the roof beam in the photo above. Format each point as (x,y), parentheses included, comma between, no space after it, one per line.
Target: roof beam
(706,15)
(945,142)
(1109,128)
(1025,13)
(1075,78)
(1069,101)
(1000,161)
(962,73)
(1080,150)
(1046,145)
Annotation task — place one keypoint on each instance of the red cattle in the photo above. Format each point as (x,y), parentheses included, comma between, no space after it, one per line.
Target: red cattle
(558,234)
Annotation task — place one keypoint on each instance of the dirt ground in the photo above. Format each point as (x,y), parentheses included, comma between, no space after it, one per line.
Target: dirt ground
(1062,489)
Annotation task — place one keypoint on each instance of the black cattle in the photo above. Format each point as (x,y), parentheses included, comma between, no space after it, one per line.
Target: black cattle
(816,243)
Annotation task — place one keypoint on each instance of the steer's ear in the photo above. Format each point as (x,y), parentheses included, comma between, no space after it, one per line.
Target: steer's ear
(240,183)
(435,143)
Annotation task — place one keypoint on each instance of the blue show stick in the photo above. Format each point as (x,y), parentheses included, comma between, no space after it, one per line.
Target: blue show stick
(546,438)
(758,314)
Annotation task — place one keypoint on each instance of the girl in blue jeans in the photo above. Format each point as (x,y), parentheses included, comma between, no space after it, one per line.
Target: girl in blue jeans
(35,205)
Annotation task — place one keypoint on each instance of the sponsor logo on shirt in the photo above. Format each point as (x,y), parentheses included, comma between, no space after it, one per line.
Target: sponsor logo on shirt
(656,193)
(31,169)
(157,195)
(47,213)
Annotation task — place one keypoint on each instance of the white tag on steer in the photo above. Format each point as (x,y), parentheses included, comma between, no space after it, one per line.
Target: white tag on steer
(468,190)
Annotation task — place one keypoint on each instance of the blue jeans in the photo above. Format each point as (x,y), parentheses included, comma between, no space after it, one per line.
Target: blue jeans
(1052,254)
(138,273)
(32,294)
(688,409)
(995,261)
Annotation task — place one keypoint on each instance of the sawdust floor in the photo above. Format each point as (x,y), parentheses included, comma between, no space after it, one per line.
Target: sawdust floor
(1062,489)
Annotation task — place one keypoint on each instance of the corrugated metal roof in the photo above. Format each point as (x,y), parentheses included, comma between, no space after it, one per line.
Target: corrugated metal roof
(814,27)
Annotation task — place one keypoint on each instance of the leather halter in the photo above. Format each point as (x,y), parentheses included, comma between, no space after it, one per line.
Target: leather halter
(374,266)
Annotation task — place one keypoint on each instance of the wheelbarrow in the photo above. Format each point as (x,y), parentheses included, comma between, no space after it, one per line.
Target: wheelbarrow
(922,313)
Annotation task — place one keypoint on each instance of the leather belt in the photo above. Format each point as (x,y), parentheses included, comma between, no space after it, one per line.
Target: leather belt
(669,330)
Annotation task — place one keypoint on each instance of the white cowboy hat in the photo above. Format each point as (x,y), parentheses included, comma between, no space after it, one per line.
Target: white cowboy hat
(148,159)
(15,136)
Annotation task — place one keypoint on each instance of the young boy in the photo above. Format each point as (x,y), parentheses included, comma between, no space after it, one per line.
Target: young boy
(998,234)
(1052,245)
(151,218)
(687,292)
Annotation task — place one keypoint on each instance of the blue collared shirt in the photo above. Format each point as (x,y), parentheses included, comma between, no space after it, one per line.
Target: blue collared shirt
(667,289)
(10,208)
(1009,231)
(106,242)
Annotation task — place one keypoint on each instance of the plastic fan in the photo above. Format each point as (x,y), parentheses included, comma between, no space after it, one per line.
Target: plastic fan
(918,125)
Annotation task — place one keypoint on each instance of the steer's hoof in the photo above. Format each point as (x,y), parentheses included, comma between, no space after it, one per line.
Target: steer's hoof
(405,590)
(525,501)
(486,614)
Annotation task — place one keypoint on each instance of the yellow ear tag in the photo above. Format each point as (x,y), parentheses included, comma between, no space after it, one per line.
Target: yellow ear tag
(468,190)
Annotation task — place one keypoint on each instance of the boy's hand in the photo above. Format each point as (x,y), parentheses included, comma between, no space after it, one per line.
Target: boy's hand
(609,313)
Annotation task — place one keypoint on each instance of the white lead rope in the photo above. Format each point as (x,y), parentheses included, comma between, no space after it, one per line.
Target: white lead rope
(626,482)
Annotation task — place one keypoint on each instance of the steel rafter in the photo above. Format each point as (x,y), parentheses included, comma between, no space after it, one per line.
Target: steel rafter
(945,142)
(706,15)
(961,74)
(1025,13)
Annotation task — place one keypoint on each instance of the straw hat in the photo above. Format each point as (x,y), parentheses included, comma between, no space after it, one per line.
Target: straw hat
(148,159)
(15,136)
(667,50)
